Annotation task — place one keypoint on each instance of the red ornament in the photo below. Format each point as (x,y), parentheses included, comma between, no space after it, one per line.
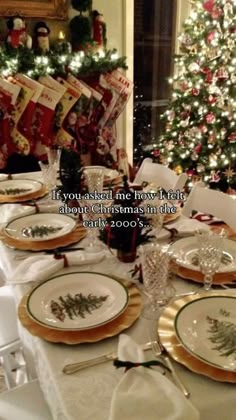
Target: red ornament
(232,137)
(211,36)
(210,118)
(215,176)
(211,8)
(195,92)
(203,128)
(209,5)
(222,73)
(184,86)
(191,172)
(211,99)
(198,148)
(156,153)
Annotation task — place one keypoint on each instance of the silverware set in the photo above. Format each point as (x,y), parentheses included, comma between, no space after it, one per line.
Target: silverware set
(159,353)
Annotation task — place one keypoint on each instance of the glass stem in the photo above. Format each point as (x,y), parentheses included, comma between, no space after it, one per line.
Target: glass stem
(208,281)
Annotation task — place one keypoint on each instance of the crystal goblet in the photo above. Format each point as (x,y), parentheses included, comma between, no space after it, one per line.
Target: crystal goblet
(155,268)
(209,255)
(94,176)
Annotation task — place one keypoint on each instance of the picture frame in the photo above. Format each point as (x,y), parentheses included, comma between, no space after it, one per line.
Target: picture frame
(46,9)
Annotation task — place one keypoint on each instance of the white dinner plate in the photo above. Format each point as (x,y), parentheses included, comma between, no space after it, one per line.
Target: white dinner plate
(206,327)
(18,187)
(40,227)
(104,297)
(185,252)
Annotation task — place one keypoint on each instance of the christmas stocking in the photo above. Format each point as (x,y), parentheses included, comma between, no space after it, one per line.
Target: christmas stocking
(43,125)
(25,121)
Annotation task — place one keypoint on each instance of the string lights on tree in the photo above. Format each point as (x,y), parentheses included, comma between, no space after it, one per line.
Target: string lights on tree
(200,123)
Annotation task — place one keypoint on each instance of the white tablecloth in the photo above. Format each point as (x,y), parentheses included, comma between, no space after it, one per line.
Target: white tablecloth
(87,394)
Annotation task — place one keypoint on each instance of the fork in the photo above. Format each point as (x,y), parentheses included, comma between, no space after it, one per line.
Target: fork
(159,351)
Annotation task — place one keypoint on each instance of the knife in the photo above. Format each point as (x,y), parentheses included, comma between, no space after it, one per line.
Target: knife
(75,367)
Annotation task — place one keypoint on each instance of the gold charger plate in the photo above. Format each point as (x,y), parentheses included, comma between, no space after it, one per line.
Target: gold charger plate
(26,197)
(197,276)
(176,350)
(68,239)
(172,216)
(124,321)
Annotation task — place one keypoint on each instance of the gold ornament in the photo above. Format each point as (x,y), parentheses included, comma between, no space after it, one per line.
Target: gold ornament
(178,169)
(229,173)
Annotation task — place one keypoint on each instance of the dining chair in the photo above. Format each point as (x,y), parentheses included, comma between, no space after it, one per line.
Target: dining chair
(9,337)
(25,402)
(160,175)
(212,202)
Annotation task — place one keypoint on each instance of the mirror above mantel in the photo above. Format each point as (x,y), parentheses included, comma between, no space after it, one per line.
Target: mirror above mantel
(47,9)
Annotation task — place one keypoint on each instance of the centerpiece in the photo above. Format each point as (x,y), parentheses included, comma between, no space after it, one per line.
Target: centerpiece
(127,227)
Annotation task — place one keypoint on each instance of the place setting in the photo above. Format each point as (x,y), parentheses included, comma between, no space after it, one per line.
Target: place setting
(42,231)
(80,307)
(207,253)
(21,190)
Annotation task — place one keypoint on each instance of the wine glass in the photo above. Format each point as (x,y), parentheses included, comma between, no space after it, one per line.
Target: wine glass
(49,174)
(209,255)
(54,156)
(155,269)
(94,176)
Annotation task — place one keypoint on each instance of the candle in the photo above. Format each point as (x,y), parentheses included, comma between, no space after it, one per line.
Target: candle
(61,36)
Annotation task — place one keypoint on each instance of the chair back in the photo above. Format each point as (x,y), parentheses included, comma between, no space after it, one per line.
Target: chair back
(160,175)
(215,203)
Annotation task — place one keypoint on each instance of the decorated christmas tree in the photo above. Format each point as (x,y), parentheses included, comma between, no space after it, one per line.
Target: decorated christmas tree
(200,133)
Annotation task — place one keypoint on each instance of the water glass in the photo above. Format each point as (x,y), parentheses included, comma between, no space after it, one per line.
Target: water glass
(155,269)
(210,248)
(49,174)
(94,176)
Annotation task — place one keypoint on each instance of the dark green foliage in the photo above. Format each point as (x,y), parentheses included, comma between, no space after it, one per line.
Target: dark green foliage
(70,171)
(25,61)
(126,238)
(80,27)
(81,5)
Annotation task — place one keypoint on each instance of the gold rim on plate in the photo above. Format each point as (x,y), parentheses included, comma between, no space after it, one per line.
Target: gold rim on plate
(72,237)
(197,276)
(32,196)
(177,351)
(124,321)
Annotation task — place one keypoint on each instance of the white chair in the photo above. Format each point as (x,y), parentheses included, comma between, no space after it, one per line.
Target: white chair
(25,402)
(215,203)
(160,175)
(9,336)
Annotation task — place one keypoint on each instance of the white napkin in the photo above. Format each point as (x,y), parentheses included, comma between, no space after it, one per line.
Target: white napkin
(11,211)
(41,267)
(144,393)
(185,227)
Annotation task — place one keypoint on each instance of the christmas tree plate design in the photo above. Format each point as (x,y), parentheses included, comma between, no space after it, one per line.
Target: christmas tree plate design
(206,328)
(77,301)
(166,329)
(40,227)
(185,252)
(16,188)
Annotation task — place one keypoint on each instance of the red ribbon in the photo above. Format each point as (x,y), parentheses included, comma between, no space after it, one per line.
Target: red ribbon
(62,257)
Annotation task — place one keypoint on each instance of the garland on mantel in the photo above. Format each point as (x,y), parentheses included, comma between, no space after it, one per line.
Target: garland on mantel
(54,62)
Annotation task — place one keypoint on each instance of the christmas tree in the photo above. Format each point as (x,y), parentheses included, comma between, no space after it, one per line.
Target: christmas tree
(200,133)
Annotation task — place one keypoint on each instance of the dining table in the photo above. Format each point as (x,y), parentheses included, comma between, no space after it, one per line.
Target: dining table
(87,394)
